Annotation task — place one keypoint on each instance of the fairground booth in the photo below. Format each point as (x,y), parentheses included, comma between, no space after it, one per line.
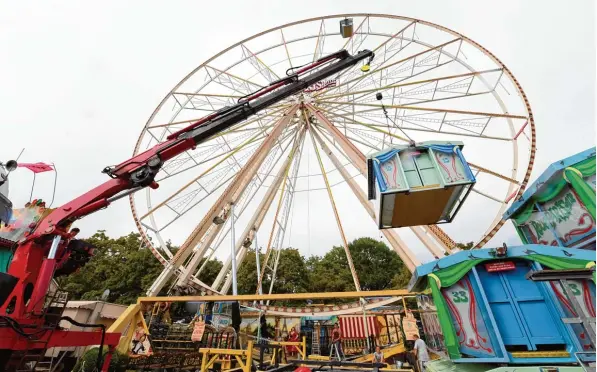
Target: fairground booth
(532,304)
(529,304)
(558,209)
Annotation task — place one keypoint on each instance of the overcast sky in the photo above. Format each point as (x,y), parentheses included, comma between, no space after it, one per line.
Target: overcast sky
(78,80)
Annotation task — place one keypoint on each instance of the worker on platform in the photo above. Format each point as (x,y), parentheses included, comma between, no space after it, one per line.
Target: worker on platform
(337,341)
(263,340)
(292,350)
(420,349)
(378,355)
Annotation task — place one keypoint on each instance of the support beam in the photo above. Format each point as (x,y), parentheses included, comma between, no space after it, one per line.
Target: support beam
(278,296)
(230,195)
(259,215)
(285,180)
(441,237)
(338,222)
(207,243)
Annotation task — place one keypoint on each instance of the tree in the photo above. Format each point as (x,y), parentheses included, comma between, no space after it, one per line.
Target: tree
(247,274)
(291,275)
(210,271)
(88,361)
(465,246)
(376,265)
(127,269)
(121,265)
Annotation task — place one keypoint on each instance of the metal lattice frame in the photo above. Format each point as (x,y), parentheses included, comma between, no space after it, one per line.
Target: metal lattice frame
(435,83)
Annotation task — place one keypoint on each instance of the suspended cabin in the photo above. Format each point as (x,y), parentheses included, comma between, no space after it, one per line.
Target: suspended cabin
(419,185)
(528,305)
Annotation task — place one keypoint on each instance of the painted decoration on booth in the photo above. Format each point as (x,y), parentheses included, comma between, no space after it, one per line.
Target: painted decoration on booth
(198,330)
(450,166)
(22,219)
(565,215)
(409,325)
(391,173)
(584,294)
(140,344)
(471,330)
(433,331)
(392,328)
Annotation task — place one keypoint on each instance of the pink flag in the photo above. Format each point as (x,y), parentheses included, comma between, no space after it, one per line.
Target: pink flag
(37,167)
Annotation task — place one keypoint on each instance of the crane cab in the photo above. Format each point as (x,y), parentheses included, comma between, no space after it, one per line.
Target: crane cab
(419,184)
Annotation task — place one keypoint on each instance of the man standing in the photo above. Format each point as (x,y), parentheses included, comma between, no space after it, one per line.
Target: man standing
(420,349)
(263,339)
(337,341)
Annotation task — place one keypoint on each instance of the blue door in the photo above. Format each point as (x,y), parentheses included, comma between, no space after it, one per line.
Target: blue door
(518,305)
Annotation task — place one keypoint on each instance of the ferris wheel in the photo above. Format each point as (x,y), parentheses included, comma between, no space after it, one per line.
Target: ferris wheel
(295,173)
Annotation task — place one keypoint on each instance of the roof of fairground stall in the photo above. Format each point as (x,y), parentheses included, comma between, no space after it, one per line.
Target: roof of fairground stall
(544,179)
(419,282)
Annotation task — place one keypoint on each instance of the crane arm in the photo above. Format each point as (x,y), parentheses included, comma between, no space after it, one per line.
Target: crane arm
(140,171)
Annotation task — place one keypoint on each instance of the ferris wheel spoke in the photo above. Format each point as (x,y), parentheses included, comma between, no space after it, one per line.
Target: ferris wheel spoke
(319,43)
(495,174)
(488,196)
(286,48)
(286,182)
(355,278)
(231,81)
(397,41)
(432,110)
(219,234)
(404,64)
(458,85)
(246,143)
(262,68)
(203,102)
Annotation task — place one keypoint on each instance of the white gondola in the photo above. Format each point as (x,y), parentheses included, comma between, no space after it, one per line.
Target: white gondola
(420,184)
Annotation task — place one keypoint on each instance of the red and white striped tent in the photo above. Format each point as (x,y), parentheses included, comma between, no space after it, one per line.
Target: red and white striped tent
(352,326)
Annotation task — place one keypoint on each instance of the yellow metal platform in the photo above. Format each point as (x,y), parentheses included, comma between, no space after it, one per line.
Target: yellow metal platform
(540,354)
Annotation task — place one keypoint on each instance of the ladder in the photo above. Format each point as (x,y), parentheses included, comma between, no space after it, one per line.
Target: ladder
(315,339)
(334,350)
(51,314)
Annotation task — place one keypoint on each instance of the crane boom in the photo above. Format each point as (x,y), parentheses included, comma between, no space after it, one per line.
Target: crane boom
(47,247)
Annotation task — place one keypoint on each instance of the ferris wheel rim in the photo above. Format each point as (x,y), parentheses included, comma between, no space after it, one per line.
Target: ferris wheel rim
(494,226)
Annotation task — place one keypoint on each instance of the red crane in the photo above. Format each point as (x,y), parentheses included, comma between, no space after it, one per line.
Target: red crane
(49,248)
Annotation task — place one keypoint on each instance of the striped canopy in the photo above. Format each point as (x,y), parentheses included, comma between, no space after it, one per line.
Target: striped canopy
(352,326)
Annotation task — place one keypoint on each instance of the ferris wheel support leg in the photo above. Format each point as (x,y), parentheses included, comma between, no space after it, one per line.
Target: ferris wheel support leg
(207,243)
(258,216)
(396,243)
(355,278)
(441,237)
(230,195)
(280,222)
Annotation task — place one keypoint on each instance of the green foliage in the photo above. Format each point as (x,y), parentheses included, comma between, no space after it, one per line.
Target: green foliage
(376,265)
(210,271)
(125,267)
(465,246)
(88,361)
(121,265)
